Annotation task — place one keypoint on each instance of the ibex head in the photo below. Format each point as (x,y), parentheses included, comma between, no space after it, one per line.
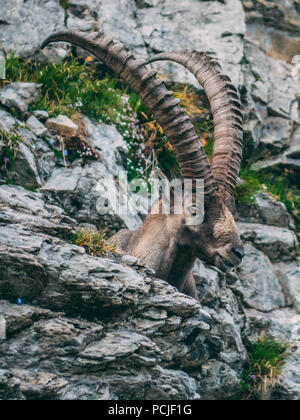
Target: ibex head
(216,240)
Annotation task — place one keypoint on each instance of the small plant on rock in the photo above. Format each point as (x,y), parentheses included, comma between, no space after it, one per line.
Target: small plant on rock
(9,142)
(266,359)
(72,147)
(94,242)
(278,187)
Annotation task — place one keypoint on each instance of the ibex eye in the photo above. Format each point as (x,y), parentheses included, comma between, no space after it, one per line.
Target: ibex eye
(192,210)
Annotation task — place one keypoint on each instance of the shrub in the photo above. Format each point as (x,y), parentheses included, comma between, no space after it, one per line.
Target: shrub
(266,358)
(94,242)
(9,142)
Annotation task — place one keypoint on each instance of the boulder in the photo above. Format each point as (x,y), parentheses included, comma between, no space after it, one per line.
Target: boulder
(7,120)
(151,27)
(25,171)
(62,125)
(280,15)
(24,25)
(283,325)
(258,284)
(108,141)
(56,275)
(41,115)
(87,193)
(275,242)
(293,151)
(218,382)
(83,15)
(208,281)
(34,160)
(276,133)
(19,96)
(90,192)
(36,126)
(290,275)
(267,210)
(278,164)
(18,205)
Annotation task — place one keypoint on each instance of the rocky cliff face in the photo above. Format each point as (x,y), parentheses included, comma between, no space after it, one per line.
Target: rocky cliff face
(83,327)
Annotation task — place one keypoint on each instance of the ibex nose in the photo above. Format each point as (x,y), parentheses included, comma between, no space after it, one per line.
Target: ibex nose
(238,251)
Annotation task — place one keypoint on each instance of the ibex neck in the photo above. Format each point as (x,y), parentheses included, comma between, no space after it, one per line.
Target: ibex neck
(179,268)
(156,244)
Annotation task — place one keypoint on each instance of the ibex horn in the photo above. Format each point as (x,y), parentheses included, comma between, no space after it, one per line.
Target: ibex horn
(226,109)
(188,149)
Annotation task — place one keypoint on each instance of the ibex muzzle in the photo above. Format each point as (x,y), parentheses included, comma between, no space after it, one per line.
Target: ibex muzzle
(167,243)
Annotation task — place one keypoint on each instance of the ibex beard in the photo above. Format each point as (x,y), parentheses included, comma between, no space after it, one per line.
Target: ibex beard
(167,243)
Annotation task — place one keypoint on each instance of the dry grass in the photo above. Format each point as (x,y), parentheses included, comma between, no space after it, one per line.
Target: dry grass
(266,359)
(94,242)
(74,147)
(9,142)
(197,108)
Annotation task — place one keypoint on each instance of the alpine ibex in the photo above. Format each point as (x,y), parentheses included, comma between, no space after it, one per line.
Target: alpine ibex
(167,243)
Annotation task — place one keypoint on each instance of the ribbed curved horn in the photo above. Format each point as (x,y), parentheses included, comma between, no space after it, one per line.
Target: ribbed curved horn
(226,109)
(190,154)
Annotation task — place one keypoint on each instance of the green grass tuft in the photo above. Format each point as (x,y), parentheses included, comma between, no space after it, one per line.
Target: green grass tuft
(266,359)
(9,142)
(69,87)
(64,3)
(276,186)
(94,242)
(249,187)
